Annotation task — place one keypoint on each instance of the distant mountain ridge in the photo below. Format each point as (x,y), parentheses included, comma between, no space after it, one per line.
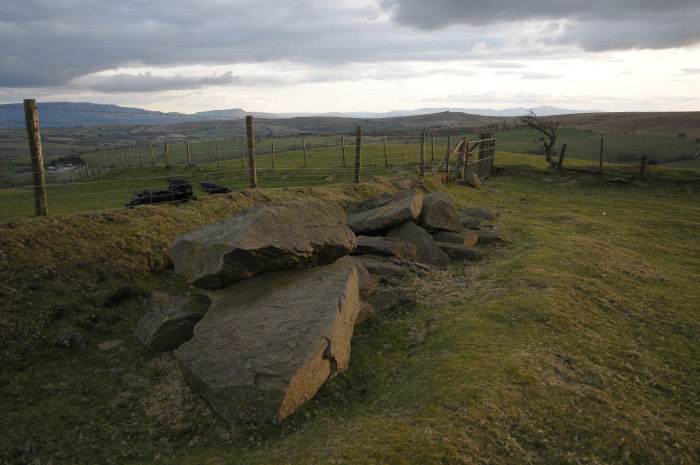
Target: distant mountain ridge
(53,114)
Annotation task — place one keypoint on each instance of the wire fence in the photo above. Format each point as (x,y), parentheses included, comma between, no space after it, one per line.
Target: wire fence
(87,168)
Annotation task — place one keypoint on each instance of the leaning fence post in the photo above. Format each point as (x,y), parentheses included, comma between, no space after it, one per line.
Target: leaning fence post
(272,154)
(38,175)
(642,167)
(129,152)
(218,154)
(358,153)
(600,166)
(303,142)
(141,155)
(342,148)
(189,154)
(153,158)
(447,157)
(432,146)
(251,151)
(561,156)
(466,159)
(242,154)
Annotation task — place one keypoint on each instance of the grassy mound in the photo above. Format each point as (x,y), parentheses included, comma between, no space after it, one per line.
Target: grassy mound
(577,343)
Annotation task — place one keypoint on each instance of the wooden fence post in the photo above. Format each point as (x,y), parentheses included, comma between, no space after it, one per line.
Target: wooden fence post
(447,157)
(153,158)
(432,146)
(466,159)
(272,154)
(87,169)
(218,155)
(121,154)
(358,153)
(31,118)
(643,167)
(166,154)
(386,157)
(141,155)
(600,166)
(189,154)
(303,143)
(129,155)
(421,167)
(242,153)
(342,148)
(251,151)
(114,160)
(561,156)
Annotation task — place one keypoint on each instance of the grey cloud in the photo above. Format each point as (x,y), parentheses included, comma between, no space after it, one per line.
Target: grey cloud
(539,76)
(594,24)
(503,65)
(690,71)
(146,82)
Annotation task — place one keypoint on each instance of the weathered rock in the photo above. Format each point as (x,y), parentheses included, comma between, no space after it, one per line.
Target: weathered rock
(268,343)
(428,251)
(460,252)
(385,246)
(109,345)
(275,236)
(483,213)
(169,320)
(386,299)
(382,268)
(131,379)
(375,201)
(366,311)
(471,223)
(473,180)
(404,183)
(492,236)
(368,285)
(71,339)
(440,213)
(468,237)
(386,216)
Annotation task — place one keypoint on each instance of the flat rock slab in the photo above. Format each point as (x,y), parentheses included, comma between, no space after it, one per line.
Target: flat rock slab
(440,213)
(169,320)
(274,236)
(468,238)
(368,285)
(382,268)
(366,312)
(268,343)
(386,216)
(386,299)
(460,252)
(428,251)
(385,246)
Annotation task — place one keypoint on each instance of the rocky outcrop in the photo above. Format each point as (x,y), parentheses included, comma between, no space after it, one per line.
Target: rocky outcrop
(440,213)
(386,216)
(169,320)
(382,268)
(275,236)
(428,251)
(377,245)
(268,343)
(468,238)
(460,252)
(368,285)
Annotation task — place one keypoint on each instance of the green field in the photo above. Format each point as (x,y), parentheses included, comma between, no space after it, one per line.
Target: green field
(576,343)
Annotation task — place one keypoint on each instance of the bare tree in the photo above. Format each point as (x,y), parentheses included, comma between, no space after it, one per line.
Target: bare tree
(548,128)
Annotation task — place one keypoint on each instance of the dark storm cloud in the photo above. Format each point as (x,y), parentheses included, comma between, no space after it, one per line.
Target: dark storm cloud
(593,24)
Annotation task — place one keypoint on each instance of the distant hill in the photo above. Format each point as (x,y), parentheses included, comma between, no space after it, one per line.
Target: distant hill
(58,114)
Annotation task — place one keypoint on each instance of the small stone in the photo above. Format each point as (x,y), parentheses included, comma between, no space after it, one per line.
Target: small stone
(382,268)
(109,345)
(428,251)
(494,236)
(483,213)
(71,339)
(473,180)
(368,285)
(366,311)
(460,252)
(471,223)
(440,213)
(124,395)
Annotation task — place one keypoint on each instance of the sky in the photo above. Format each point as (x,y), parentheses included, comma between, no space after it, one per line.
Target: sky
(353,55)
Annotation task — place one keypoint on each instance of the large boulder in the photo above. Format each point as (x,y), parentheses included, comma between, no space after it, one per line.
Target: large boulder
(268,343)
(465,237)
(169,320)
(368,285)
(382,268)
(428,251)
(386,216)
(440,213)
(460,252)
(377,245)
(375,201)
(274,236)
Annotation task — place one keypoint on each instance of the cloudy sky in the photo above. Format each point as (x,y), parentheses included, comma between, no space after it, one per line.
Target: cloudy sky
(353,55)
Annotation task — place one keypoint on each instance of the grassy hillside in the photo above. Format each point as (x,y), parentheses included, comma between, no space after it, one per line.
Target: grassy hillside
(575,344)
